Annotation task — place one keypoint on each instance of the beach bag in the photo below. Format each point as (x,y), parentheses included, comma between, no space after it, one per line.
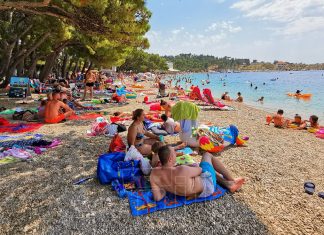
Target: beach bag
(99,128)
(134,154)
(29,116)
(111,167)
(117,144)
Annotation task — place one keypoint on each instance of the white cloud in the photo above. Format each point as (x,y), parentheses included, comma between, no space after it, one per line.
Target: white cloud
(224,26)
(295,16)
(181,40)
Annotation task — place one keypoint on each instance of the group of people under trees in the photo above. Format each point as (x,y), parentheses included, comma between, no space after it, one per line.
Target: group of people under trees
(181,180)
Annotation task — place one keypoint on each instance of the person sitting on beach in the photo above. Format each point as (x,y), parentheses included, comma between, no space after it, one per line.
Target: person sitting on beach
(72,103)
(313,123)
(298,92)
(167,107)
(239,97)
(136,134)
(279,120)
(190,181)
(169,125)
(55,110)
(225,96)
(297,122)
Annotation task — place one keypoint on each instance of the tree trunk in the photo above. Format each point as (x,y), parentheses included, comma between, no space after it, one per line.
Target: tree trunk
(76,66)
(50,61)
(70,65)
(24,55)
(51,58)
(32,68)
(86,64)
(64,64)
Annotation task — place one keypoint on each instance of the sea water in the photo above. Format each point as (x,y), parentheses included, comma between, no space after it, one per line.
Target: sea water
(274,92)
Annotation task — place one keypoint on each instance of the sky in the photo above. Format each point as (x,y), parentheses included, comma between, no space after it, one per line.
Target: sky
(266,30)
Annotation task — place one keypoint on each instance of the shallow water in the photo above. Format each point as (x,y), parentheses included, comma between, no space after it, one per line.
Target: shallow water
(274,92)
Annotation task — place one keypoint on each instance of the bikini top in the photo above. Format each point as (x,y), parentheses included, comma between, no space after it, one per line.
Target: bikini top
(139,136)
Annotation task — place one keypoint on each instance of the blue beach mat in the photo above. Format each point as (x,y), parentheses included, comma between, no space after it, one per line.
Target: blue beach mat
(142,203)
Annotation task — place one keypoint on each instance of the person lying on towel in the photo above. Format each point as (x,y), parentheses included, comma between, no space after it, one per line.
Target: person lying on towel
(55,110)
(190,181)
(169,125)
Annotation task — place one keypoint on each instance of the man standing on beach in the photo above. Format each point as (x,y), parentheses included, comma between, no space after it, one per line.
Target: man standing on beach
(190,181)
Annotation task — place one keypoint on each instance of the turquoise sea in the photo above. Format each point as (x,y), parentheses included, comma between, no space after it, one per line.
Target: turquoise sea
(274,92)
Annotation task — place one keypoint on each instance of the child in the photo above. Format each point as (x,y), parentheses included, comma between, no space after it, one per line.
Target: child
(155,162)
(297,122)
(313,123)
(239,97)
(155,157)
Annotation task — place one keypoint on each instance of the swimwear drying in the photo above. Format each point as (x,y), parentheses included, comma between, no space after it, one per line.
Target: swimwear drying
(58,119)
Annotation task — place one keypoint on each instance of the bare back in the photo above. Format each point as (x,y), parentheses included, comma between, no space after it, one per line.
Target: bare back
(177,180)
(52,109)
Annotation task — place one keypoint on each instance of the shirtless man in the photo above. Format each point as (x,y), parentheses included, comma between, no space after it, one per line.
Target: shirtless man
(190,181)
(279,120)
(53,109)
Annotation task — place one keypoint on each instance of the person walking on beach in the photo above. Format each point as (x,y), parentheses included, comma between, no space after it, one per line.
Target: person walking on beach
(90,79)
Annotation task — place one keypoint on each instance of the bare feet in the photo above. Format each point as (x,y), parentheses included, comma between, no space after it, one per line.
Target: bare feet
(235,185)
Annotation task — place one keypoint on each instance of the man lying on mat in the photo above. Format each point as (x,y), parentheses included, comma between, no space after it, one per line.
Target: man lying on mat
(190,181)
(55,110)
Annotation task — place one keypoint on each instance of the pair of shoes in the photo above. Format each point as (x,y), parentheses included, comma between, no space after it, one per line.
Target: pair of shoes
(310,189)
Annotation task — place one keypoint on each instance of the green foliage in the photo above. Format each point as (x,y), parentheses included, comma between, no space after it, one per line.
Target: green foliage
(140,61)
(101,31)
(196,63)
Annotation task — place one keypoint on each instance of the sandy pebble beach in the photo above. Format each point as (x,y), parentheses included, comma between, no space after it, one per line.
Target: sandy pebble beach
(38,197)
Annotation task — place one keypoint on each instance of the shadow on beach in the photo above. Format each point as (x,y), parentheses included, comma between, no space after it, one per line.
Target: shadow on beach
(39,197)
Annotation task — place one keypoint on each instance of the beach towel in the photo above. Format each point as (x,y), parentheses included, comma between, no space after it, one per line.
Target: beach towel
(142,203)
(20,127)
(86,116)
(185,110)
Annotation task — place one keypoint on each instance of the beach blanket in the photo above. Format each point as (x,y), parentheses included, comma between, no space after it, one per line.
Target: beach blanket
(142,203)
(20,127)
(86,116)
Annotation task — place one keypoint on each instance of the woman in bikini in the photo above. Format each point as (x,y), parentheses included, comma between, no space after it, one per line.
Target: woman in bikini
(136,134)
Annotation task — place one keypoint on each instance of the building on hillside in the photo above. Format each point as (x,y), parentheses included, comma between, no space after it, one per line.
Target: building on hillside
(170,67)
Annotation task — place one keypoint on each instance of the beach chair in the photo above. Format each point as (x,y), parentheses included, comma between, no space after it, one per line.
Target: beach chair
(210,99)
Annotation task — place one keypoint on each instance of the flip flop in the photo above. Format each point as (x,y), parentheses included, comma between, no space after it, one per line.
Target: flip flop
(309,188)
(321,195)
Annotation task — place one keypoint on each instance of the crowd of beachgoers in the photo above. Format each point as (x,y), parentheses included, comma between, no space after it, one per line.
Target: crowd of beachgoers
(182,138)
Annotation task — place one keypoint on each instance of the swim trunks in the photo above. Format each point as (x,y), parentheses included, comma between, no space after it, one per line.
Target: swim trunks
(208,179)
(90,84)
(58,119)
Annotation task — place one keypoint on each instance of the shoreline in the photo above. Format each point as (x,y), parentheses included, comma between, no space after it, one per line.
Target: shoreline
(275,164)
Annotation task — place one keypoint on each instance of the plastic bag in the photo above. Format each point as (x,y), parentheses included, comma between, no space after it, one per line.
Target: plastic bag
(117,144)
(134,154)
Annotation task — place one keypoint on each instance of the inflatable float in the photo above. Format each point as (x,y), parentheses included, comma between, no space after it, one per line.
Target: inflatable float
(320,133)
(303,96)
(137,86)
(131,95)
